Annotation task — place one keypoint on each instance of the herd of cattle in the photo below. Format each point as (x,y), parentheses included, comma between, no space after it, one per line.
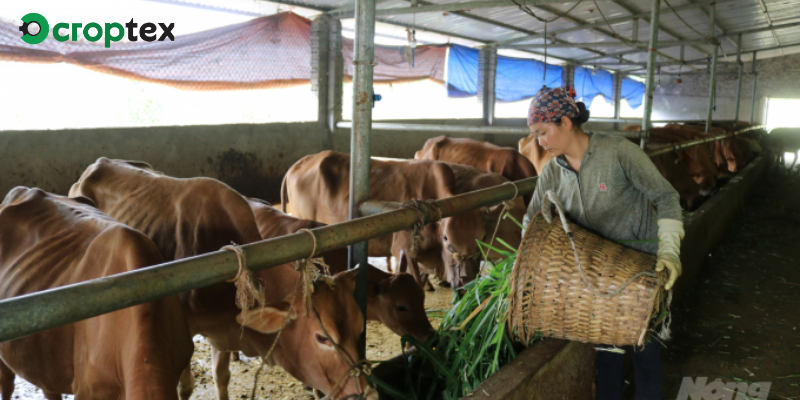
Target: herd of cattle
(123,215)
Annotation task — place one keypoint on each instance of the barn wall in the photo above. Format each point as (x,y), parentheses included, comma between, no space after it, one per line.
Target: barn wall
(251,158)
(779,77)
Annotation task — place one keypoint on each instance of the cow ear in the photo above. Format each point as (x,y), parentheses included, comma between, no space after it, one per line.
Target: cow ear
(267,319)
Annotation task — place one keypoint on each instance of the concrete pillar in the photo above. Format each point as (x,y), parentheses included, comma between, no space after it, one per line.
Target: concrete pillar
(487,73)
(326,74)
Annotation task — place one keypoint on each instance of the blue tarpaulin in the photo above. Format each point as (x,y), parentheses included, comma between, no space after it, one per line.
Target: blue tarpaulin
(589,84)
(632,92)
(462,71)
(517,78)
(521,78)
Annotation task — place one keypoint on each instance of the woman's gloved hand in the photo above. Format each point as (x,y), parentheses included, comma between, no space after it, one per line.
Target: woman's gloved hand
(670,233)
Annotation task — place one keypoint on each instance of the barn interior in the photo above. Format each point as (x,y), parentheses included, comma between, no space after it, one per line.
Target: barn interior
(247,88)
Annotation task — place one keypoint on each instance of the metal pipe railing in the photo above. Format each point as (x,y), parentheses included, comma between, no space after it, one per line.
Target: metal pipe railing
(508,130)
(691,143)
(40,311)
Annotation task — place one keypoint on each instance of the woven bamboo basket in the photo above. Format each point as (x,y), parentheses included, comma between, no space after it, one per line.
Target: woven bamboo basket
(549,295)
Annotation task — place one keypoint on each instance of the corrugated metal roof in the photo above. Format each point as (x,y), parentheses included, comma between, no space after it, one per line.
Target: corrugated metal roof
(508,22)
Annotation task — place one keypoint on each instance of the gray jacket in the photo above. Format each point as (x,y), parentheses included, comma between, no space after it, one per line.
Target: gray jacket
(613,194)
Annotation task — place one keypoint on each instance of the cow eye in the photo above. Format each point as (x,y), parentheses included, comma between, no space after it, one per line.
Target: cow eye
(445,238)
(400,308)
(322,339)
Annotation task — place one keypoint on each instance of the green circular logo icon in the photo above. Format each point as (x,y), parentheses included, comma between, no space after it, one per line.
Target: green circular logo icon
(38,19)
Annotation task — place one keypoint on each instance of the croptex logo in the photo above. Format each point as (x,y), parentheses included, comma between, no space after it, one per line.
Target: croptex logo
(92,31)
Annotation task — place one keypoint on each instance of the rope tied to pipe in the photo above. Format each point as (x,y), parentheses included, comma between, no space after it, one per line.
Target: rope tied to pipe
(248,291)
(507,205)
(312,268)
(416,230)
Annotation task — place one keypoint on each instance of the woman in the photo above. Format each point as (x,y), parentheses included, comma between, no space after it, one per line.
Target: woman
(609,186)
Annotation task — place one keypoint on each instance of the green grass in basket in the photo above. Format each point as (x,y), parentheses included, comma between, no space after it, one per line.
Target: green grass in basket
(472,342)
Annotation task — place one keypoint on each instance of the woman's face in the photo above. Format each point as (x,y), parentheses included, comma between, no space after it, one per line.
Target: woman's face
(554,138)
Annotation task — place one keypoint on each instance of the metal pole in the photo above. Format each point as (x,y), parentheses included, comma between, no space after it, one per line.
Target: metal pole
(739,81)
(691,143)
(713,69)
(487,74)
(651,70)
(617,97)
(40,311)
(592,45)
(755,82)
(335,76)
(635,32)
(363,63)
(320,74)
(506,130)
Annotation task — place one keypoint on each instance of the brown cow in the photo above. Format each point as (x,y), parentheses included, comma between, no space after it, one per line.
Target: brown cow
(481,155)
(317,187)
(137,353)
(186,217)
(699,161)
(394,300)
(469,179)
(530,148)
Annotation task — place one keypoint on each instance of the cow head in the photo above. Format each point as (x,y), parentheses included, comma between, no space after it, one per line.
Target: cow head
(461,255)
(321,348)
(398,302)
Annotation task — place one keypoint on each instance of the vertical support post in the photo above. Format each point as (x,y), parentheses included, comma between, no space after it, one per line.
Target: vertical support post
(487,73)
(755,82)
(739,81)
(336,76)
(320,74)
(568,75)
(363,64)
(635,31)
(617,97)
(650,84)
(713,78)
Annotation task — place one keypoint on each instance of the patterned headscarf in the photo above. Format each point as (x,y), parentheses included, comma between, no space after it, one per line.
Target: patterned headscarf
(549,105)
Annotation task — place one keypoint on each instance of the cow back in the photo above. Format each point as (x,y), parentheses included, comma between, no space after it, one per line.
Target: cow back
(184,217)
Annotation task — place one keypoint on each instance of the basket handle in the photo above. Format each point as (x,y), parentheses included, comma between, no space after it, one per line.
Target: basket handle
(551,198)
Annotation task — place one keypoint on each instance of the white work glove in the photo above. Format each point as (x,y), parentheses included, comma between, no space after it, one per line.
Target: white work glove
(670,233)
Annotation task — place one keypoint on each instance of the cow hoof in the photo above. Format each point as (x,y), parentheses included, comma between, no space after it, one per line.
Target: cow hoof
(444,284)
(429,287)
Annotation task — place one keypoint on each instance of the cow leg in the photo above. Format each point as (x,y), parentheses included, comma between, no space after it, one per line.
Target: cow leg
(186,383)
(235,356)
(389,264)
(6,381)
(427,283)
(220,361)
(794,161)
(52,395)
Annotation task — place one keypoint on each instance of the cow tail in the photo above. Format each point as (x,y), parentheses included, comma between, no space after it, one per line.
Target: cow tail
(284,194)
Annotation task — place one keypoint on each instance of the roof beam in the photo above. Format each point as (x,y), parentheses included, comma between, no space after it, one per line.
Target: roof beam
(703,60)
(661,27)
(728,34)
(601,23)
(769,21)
(717,24)
(641,45)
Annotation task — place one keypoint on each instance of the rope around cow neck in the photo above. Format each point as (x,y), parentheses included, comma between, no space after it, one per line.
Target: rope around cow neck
(355,370)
